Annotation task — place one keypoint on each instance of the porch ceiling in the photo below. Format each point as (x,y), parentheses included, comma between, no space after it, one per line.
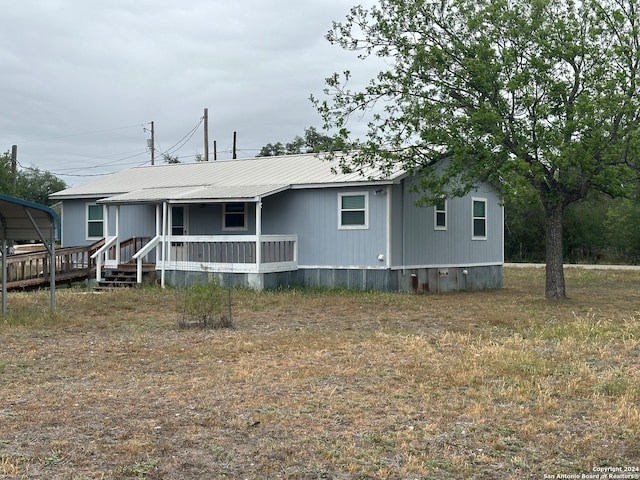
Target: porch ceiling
(196,194)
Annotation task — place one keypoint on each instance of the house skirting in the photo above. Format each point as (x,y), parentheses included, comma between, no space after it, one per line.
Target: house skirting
(408,280)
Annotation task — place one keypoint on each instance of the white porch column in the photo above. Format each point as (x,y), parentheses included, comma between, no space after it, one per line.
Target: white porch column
(105,219)
(158,220)
(258,233)
(117,234)
(105,234)
(163,243)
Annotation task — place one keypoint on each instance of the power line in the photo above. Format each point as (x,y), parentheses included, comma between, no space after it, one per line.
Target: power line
(93,132)
(183,141)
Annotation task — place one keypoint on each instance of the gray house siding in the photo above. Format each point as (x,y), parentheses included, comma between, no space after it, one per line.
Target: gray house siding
(422,245)
(313,215)
(206,219)
(74,228)
(135,220)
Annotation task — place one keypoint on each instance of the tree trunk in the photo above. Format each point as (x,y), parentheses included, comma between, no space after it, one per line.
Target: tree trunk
(554,287)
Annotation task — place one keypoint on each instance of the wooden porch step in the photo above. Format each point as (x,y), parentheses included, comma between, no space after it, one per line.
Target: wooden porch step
(125,276)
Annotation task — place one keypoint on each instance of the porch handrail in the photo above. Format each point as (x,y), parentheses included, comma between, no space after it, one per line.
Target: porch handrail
(97,256)
(146,250)
(142,253)
(108,243)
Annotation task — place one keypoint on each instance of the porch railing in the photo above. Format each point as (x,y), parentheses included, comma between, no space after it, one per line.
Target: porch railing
(223,253)
(229,253)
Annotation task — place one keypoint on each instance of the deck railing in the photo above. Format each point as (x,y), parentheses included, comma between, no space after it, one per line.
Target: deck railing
(33,268)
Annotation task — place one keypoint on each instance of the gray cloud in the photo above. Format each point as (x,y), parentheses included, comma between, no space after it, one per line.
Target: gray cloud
(72,67)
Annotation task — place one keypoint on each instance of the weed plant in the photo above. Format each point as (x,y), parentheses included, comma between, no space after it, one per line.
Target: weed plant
(207,304)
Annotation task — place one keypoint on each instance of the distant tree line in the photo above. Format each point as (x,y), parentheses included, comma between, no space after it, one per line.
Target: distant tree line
(311,142)
(597,229)
(30,184)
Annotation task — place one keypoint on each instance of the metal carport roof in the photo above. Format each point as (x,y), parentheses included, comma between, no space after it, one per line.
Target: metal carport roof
(21,220)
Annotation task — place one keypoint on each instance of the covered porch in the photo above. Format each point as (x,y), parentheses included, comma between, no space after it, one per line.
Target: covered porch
(241,248)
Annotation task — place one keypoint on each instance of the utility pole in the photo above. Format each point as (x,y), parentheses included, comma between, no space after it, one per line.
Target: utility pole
(234,146)
(206,134)
(215,150)
(153,144)
(14,167)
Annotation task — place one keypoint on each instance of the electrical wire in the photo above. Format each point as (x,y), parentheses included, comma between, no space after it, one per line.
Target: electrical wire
(183,141)
(93,132)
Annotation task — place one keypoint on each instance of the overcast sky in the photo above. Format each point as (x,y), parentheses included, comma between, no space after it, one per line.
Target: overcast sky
(81,80)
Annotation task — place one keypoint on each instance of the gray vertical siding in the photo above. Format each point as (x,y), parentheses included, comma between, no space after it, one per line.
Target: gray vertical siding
(424,245)
(135,221)
(206,219)
(313,216)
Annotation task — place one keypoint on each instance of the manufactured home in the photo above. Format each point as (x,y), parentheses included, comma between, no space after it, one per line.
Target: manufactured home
(274,222)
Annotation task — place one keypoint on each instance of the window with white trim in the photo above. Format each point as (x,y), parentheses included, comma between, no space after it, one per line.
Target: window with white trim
(95,221)
(479,206)
(353,210)
(234,216)
(440,215)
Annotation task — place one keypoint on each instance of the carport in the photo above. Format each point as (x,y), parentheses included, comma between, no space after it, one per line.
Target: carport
(23,221)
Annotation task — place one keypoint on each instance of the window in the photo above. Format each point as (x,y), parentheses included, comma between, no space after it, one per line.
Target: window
(352,212)
(95,221)
(440,215)
(235,216)
(479,219)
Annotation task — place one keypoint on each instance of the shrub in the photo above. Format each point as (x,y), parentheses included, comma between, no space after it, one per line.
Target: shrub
(207,304)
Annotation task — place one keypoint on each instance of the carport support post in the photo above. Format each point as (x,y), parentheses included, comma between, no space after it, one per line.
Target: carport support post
(52,266)
(4,276)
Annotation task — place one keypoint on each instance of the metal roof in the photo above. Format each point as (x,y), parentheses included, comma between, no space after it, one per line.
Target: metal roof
(227,179)
(21,220)
(195,194)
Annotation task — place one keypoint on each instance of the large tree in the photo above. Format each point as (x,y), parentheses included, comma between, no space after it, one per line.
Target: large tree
(511,91)
(30,184)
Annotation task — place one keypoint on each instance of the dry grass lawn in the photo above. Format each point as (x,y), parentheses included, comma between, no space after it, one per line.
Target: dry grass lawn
(325,385)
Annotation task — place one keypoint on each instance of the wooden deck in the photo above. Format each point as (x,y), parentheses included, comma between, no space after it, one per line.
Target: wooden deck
(32,270)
